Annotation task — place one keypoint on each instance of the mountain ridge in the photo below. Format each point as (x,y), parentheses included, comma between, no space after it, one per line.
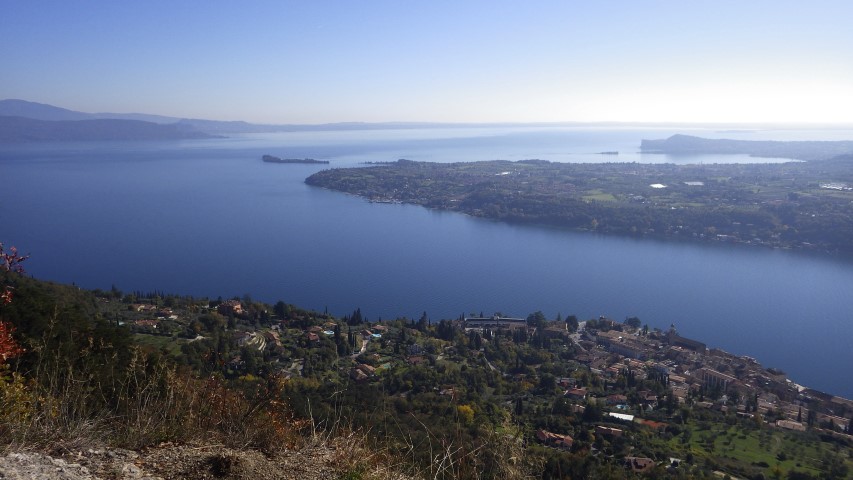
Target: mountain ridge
(22,130)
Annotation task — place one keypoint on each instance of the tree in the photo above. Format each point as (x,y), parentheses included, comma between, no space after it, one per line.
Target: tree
(423,322)
(572,323)
(811,417)
(547,383)
(10,262)
(466,414)
(356,318)
(280,309)
(536,319)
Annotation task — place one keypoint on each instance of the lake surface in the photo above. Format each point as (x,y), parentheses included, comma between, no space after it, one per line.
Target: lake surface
(208,218)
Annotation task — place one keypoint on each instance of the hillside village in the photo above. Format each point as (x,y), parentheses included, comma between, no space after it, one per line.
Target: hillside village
(622,394)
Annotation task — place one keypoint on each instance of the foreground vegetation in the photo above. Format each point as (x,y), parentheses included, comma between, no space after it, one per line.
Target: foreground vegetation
(428,399)
(786,205)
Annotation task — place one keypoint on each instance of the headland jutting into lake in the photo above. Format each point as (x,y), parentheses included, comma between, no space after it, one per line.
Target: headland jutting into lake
(794,205)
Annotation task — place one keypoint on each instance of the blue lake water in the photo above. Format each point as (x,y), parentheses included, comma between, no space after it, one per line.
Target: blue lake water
(208,218)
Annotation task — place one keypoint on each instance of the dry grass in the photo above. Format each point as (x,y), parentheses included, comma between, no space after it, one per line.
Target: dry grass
(147,403)
(66,406)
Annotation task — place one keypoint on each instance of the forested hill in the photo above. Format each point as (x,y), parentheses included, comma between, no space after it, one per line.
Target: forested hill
(800,150)
(170,386)
(19,129)
(790,205)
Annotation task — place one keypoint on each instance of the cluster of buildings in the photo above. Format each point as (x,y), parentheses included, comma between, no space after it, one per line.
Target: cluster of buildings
(692,371)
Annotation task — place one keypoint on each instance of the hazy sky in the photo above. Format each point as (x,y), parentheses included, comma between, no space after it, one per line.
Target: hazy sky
(317,61)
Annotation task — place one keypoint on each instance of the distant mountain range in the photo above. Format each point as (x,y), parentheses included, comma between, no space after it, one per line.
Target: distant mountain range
(24,121)
(41,111)
(20,129)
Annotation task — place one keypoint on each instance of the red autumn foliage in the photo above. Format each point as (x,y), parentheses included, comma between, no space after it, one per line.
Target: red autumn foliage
(10,262)
(9,348)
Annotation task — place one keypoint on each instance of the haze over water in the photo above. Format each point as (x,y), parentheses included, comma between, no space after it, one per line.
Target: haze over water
(208,218)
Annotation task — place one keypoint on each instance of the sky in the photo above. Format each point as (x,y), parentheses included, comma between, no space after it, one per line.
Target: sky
(321,61)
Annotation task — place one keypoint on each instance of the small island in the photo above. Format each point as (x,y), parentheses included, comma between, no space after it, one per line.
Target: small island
(273,159)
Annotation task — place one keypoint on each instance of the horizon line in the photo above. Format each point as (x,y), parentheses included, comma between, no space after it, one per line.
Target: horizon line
(463,124)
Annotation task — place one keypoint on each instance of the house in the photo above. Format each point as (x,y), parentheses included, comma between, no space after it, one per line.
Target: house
(556,330)
(714,379)
(639,464)
(495,323)
(151,323)
(416,359)
(273,338)
(791,425)
(608,431)
(242,338)
(566,382)
(680,393)
(621,416)
(578,394)
(554,439)
(676,340)
(648,397)
(448,391)
(629,349)
(230,307)
(312,337)
(635,364)
(358,375)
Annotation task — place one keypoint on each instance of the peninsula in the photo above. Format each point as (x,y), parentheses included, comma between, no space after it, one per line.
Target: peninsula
(801,150)
(802,205)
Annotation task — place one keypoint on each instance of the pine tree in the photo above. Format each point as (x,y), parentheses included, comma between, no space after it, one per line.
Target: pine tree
(423,322)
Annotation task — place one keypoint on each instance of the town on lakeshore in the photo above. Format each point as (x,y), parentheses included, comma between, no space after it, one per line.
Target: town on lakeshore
(618,393)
